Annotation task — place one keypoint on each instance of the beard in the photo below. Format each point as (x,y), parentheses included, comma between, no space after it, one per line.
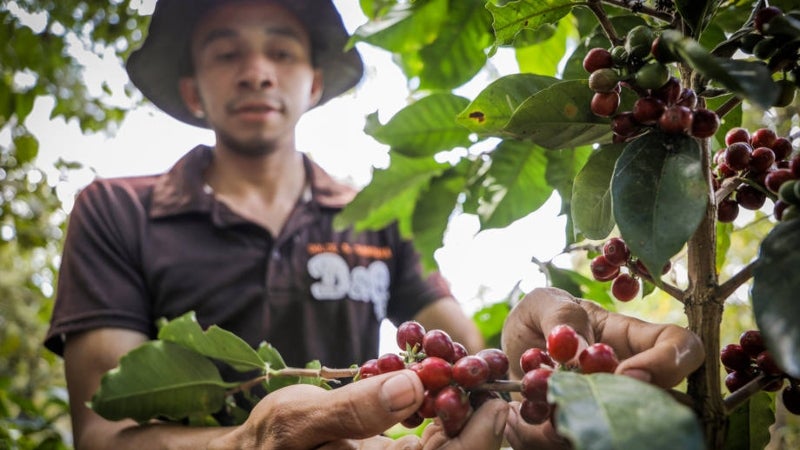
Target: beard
(255,147)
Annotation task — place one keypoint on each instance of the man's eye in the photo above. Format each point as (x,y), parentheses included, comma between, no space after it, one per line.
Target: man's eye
(226,56)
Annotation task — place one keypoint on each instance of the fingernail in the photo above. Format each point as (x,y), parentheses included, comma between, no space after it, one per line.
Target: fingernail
(639,374)
(397,393)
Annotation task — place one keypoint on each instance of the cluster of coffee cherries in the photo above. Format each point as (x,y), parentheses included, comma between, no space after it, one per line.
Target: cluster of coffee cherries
(539,364)
(662,103)
(773,38)
(749,358)
(450,375)
(616,264)
(764,162)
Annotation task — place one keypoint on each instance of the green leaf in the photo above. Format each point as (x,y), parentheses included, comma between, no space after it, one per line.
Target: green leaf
(512,17)
(515,184)
(214,343)
(391,195)
(774,293)
(748,426)
(559,117)
(578,285)
(405,28)
(545,57)
(434,209)
(562,168)
(458,53)
(658,195)
(608,412)
(27,147)
(591,193)
(748,79)
(424,127)
(495,105)
(490,320)
(160,379)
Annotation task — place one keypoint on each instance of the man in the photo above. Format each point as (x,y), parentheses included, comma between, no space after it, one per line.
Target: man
(241,234)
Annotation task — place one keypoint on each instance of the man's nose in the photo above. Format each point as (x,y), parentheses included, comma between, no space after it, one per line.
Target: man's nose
(258,73)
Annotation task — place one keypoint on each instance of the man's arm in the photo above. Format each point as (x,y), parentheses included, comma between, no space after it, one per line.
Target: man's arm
(87,357)
(446,314)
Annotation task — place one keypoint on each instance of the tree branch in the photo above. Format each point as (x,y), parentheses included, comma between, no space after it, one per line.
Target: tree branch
(642,9)
(728,287)
(738,398)
(597,8)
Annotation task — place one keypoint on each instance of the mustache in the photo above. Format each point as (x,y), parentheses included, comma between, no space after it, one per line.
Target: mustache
(255,102)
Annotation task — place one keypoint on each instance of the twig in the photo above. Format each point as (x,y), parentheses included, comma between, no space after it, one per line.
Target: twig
(727,288)
(726,107)
(666,17)
(597,8)
(326,373)
(741,395)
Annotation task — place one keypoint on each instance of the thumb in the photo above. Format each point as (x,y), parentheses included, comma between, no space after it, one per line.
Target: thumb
(369,406)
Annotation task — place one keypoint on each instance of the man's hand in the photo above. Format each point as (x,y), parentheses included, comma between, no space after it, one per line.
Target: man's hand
(662,354)
(350,417)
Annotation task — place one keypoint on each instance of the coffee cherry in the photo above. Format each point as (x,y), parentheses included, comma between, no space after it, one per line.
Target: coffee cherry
(470,371)
(434,372)
(478,398)
(438,343)
(602,270)
(733,357)
(368,369)
(669,92)
(705,123)
(767,364)
(412,421)
(616,252)
(776,178)
(647,110)
(763,137)
(782,148)
(737,156)
(727,210)
(497,361)
(562,343)
(533,385)
(762,159)
(459,351)
(791,398)
(390,362)
(787,192)
(596,59)
(752,342)
(764,16)
(534,412)
(625,287)
(624,125)
(779,208)
(738,378)
(409,336)
(737,134)
(786,90)
(676,119)
(639,267)
(452,409)
(794,165)
(651,76)
(639,41)
(428,408)
(603,80)
(604,104)
(750,197)
(598,357)
(534,358)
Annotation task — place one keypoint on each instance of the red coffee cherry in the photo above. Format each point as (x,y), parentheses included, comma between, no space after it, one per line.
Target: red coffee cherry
(409,335)
(412,421)
(669,92)
(727,210)
(764,16)
(368,369)
(738,378)
(562,343)
(534,412)
(390,362)
(767,364)
(497,360)
(791,398)
(597,58)
(676,119)
(602,269)
(533,385)
(428,408)
(470,371)
(604,104)
(438,343)
(782,148)
(624,125)
(737,156)
(763,137)
(737,134)
(434,372)
(625,287)
(750,197)
(705,123)
(453,409)
(598,357)
(761,159)
(459,350)
(616,252)
(752,342)
(733,357)
(534,358)
(647,110)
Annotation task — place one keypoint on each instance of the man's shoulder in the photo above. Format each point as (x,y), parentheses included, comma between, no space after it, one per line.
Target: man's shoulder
(118,192)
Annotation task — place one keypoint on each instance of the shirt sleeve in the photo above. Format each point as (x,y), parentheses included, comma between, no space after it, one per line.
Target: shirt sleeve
(100,283)
(413,288)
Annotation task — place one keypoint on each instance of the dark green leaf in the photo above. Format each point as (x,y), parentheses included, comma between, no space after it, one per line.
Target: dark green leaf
(559,117)
(774,293)
(696,13)
(609,412)
(591,193)
(515,184)
(659,195)
(424,127)
(748,427)
(214,342)
(160,379)
(391,195)
(495,105)
(27,147)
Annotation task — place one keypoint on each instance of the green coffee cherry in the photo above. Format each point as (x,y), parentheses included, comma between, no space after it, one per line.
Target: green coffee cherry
(652,76)
(787,193)
(603,80)
(786,90)
(639,41)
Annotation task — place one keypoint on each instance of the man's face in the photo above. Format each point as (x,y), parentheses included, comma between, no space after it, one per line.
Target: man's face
(254,76)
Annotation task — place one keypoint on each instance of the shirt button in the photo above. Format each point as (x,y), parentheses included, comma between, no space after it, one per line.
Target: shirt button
(276,255)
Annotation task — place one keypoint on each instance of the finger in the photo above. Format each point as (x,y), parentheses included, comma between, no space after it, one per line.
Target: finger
(368,407)
(675,354)
(483,430)
(522,435)
(531,320)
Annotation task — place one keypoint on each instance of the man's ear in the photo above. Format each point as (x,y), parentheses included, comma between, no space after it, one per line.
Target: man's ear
(317,86)
(190,94)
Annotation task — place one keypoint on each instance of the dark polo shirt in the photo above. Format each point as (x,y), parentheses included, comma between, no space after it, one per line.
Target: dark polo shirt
(142,248)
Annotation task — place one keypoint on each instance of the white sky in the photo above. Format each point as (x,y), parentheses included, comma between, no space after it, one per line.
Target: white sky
(486,266)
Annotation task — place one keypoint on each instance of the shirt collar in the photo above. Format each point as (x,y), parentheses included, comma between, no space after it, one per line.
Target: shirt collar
(183,188)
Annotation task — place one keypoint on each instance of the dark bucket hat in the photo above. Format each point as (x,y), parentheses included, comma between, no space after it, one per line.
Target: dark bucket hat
(158,64)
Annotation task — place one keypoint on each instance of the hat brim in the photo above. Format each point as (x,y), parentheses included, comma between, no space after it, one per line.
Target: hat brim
(157,66)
